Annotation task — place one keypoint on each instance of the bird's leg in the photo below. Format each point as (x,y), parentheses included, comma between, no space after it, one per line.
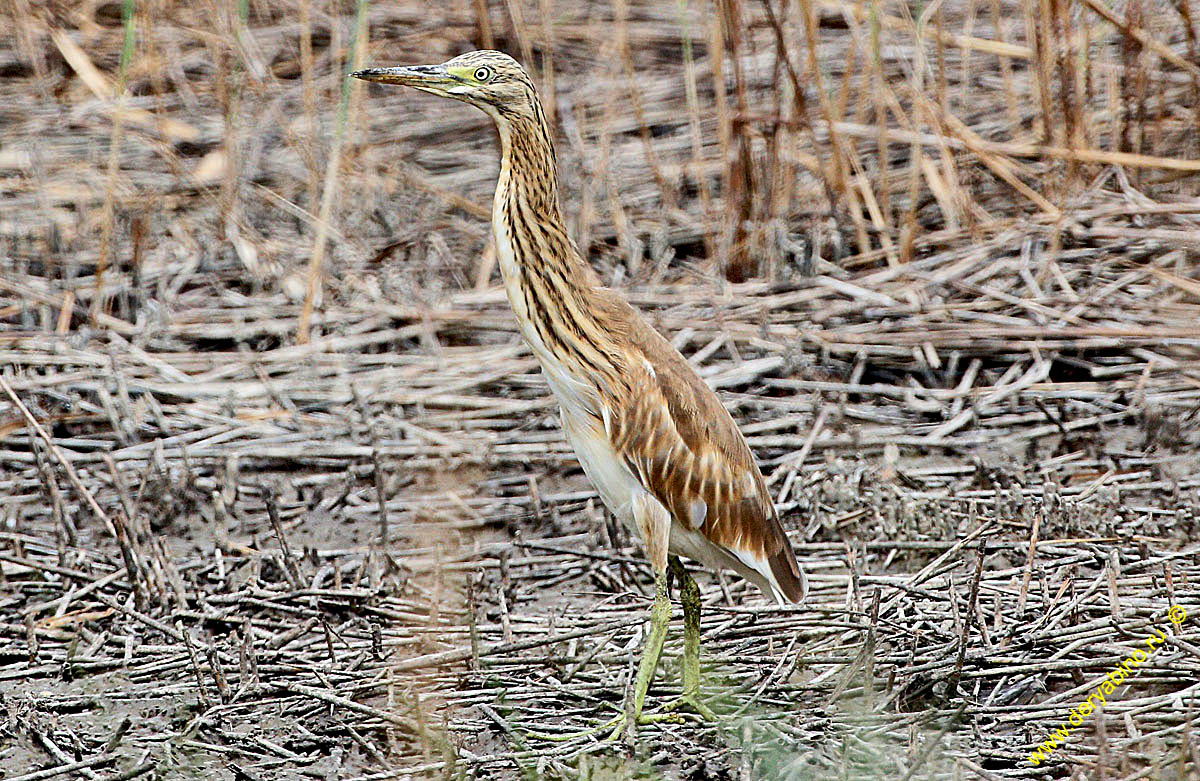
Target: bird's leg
(626,722)
(689,595)
(654,523)
(660,617)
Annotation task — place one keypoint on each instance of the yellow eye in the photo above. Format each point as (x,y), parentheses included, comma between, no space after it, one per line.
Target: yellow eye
(483,73)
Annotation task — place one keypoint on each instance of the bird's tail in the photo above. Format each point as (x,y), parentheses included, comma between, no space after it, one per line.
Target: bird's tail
(790,581)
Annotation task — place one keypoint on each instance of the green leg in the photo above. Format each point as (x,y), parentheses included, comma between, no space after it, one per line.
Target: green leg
(660,617)
(689,595)
(627,722)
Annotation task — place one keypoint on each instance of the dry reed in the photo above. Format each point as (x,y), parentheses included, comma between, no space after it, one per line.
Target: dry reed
(283,494)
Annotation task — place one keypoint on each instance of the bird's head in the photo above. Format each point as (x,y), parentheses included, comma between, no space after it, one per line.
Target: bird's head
(490,80)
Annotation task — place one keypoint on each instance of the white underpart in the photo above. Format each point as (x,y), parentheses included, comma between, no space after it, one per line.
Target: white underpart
(617,485)
(763,569)
(627,499)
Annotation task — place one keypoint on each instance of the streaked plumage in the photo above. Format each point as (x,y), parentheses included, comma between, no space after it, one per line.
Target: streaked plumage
(662,451)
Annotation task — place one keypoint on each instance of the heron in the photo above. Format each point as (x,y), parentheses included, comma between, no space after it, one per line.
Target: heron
(664,454)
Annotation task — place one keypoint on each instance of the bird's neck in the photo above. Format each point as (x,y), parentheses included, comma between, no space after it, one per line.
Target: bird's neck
(526,207)
(551,288)
(528,168)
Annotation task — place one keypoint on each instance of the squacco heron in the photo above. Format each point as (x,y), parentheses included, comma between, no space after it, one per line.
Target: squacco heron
(664,454)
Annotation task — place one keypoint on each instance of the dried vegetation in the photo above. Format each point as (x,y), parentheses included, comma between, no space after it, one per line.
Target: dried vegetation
(283,495)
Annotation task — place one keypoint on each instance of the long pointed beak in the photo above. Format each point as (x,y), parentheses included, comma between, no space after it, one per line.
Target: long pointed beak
(408,75)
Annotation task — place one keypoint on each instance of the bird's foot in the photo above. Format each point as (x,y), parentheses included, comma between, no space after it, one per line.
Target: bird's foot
(568,736)
(691,701)
(686,708)
(622,724)
(626,724)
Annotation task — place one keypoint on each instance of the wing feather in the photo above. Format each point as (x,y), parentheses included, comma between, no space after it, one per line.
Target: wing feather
(684,447)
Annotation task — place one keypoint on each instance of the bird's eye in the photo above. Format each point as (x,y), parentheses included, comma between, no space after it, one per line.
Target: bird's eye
(483,74)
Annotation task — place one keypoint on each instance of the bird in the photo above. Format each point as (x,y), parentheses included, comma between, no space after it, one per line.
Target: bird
(662,451)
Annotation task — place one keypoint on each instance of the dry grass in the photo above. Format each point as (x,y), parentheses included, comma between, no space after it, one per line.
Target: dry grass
(283,495)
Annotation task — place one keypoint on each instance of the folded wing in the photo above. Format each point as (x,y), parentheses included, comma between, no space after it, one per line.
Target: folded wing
(684,447)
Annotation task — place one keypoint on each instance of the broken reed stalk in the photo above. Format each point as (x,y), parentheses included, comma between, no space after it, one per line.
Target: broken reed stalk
(194,658)
(740,263)
(114,155)
(72,476)
(62,519)
(800,98)
(289,562)
(309,99)
(316,261)
(969,621)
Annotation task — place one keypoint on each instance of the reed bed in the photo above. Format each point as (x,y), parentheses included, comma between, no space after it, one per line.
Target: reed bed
(285,497)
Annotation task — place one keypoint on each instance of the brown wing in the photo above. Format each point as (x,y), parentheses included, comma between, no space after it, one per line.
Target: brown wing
(683,445)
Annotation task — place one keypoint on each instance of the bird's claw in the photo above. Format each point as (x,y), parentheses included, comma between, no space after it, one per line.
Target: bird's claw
(672,713)
(623,724)
(693,702)
(627,726)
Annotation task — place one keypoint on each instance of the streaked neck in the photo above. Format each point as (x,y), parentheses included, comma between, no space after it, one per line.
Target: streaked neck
(550,287)
(526,217)
(527,190)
